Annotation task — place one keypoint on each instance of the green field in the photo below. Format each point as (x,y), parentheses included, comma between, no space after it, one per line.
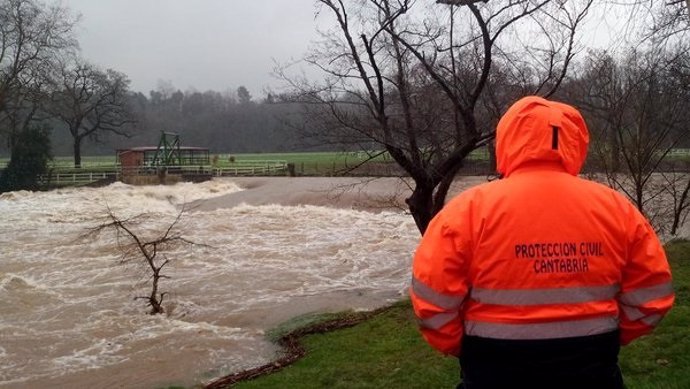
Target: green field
(67,162)
(322,158)
(306,163)
(306,157)
(388,352)
(325,158)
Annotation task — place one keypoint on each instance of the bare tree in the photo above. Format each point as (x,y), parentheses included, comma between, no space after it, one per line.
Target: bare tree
(422,82)
(91,101)
(656,21)
(676,186)
(33,37)
(672,18)
(151,252)
(640,106)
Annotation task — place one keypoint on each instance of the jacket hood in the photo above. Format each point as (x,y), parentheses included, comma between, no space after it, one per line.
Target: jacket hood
(538,130)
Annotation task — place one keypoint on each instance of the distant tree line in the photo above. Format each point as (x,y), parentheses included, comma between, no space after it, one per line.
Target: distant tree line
(229,122)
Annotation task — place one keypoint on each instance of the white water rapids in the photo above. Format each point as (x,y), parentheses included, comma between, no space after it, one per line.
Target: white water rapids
(67,314)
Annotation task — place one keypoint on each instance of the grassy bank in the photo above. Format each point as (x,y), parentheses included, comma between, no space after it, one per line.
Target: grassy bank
(383,352)
(387,351)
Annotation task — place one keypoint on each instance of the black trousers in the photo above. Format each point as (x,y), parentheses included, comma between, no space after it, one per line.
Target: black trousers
(589,362)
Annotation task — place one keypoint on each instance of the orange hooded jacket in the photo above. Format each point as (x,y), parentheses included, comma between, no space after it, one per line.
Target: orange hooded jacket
(541,253)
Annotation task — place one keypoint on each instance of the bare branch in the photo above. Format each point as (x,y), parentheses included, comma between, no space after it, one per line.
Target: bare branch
(147,250)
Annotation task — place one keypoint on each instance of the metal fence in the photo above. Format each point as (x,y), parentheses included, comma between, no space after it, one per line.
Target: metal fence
(69,176)
(57,178)
(252,168)
(247,168)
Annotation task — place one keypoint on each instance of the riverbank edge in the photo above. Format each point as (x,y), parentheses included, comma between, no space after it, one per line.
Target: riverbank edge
(291,345)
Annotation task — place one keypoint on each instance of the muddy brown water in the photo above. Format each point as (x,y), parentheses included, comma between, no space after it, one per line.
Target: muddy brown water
(67,314)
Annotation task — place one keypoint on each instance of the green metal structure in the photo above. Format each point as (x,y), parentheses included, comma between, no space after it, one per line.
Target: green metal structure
(168,152)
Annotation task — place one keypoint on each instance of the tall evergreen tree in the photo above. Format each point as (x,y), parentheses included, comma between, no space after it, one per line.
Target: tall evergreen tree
(30,156)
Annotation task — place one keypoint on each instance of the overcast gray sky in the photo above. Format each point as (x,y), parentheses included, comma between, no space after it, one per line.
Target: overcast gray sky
(204,44)
(210,44)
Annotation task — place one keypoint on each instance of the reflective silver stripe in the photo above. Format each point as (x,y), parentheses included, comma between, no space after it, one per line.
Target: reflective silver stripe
(559,329)
(631,313)
(644,295)
(635,314)
(652,320)
(580,294)
(440,300)
(437,321)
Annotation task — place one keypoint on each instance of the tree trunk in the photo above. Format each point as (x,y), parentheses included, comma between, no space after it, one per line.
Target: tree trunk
(615,150)
(679,210)
(77,152)
(421,204)
(491,148)
(155,303)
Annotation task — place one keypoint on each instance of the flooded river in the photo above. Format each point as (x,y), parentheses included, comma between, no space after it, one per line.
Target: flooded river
(68,318)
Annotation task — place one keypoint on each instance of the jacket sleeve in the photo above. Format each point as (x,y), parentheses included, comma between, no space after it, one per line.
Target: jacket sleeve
(439,283)
(646,289)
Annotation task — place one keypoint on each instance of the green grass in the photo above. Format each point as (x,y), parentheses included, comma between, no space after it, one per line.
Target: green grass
(388,352)
(308,157)
(662,360)
(93,160)
(324,163)
(383,352)
(306,163)
(310,160)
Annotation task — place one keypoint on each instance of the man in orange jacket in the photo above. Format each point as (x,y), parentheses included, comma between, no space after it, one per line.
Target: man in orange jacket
(535,280)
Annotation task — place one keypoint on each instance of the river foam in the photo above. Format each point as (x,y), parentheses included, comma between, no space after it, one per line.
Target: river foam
(68,317)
